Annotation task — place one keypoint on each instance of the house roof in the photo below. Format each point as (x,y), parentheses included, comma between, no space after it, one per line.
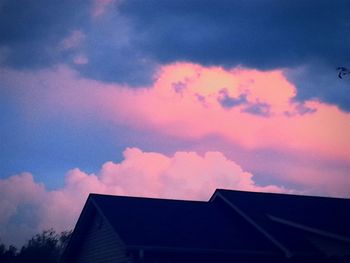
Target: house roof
(193,225)
(324,213)
(234,222)
(288,218)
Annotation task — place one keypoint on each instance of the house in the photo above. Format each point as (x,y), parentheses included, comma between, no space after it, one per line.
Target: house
(233,226)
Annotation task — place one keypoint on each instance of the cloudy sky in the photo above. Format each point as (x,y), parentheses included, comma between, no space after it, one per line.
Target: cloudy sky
(168,99)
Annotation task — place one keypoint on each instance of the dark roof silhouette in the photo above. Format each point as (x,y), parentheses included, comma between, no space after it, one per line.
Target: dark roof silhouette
(231,225)
(326,213)
(289,217)
(190,224)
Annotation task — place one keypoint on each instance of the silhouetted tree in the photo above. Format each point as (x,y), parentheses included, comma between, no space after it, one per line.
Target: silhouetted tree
(64,239)
(44,247)
(8,255)
(41,248)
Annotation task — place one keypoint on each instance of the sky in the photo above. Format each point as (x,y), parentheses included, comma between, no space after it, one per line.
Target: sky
(168,99)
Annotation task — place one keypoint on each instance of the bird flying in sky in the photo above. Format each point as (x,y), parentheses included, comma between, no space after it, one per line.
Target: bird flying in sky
(342,72)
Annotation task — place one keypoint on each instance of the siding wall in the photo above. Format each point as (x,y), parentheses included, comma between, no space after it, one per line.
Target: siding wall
(101,245)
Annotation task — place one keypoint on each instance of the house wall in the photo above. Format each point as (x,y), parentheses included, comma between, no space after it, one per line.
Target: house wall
(100,244)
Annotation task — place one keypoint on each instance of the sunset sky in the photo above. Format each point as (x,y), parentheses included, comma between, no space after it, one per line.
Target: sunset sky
(168,98)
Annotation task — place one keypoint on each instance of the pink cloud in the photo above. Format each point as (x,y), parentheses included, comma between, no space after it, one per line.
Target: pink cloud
(185,175)
(255,110)
(185,102)
(19,195)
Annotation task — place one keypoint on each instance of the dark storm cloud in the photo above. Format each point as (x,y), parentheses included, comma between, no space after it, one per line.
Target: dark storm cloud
(132,37)
(32,33)
(124,66)
(31,29)
(320,81)
(263,34)
(112,54)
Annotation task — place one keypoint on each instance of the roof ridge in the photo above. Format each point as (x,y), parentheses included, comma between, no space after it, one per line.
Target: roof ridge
(147,198)
(282,194)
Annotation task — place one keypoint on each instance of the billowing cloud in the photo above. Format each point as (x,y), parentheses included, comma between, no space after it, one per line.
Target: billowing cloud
(192,101)
(260,34)
(244,78)
(185,175)
(126,40)
(249,109)
(256,34)
(40,34)
(31,30)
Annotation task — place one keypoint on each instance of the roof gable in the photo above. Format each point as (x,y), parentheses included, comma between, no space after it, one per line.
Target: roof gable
(91,221)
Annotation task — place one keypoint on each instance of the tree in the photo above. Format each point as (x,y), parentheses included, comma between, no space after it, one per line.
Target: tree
(8,255)
(41,248)
(44,247)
